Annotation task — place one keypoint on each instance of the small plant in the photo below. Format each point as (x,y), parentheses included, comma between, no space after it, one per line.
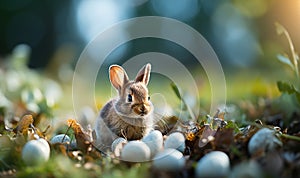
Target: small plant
(185,105)
(290,60)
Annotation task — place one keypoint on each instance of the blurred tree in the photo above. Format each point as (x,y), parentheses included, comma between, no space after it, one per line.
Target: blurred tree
(240,35)
(43,25)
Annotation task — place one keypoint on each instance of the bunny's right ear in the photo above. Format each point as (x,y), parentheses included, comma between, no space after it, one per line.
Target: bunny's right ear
(144,74)
(117,76)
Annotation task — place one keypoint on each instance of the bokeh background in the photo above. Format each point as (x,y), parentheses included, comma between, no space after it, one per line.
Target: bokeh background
(242,33)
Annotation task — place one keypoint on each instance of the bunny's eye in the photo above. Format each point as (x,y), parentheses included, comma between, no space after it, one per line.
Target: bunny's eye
(129,98)
(148,98)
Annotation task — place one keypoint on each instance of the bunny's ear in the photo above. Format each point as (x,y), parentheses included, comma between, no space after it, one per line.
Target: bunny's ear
(144,74)
(117,76)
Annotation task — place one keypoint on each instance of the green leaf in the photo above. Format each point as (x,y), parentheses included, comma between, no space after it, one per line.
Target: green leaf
(284,59)
(176,90)
(233,125)
(288,88)
(185,106)
(298,96)
(285,87)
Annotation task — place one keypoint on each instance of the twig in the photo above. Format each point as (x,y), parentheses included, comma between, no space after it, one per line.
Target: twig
(189,110)
(292,49)
(291,137)
(4,163)
(62,140)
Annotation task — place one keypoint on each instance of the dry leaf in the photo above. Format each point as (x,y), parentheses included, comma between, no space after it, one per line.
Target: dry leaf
(24,124)
(192,131)
(61,148)
(83,138)
(207,136)
(190,136)
(224,138)
(220,114)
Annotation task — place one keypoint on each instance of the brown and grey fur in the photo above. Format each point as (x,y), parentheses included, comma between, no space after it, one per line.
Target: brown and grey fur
(120,118)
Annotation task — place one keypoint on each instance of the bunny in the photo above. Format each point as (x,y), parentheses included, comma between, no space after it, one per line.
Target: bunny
(130,115)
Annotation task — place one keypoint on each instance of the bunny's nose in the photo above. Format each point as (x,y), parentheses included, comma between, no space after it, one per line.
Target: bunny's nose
(141,110)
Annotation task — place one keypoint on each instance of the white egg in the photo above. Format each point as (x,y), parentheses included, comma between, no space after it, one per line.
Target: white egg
(61,138)
(175,140)
(135,151)
(45,143)
(117,146)
(263,140)
(169,160)
(213,164)
(36,152)
(154,140)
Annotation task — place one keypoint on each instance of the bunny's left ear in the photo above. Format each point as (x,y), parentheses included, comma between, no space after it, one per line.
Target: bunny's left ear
(144,74)
(118,77)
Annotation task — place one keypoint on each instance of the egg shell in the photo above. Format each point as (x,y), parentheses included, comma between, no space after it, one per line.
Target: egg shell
(61,138)
(263,140)
(154,140)
(213,164)
(36,152)
(169,160)
(135,151)
(175,140)
(45,144)
(117,146)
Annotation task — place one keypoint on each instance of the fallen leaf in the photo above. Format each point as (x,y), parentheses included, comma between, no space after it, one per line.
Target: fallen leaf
(206,136)
(83,139)
(24,124)
(224,138)
(220,114)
